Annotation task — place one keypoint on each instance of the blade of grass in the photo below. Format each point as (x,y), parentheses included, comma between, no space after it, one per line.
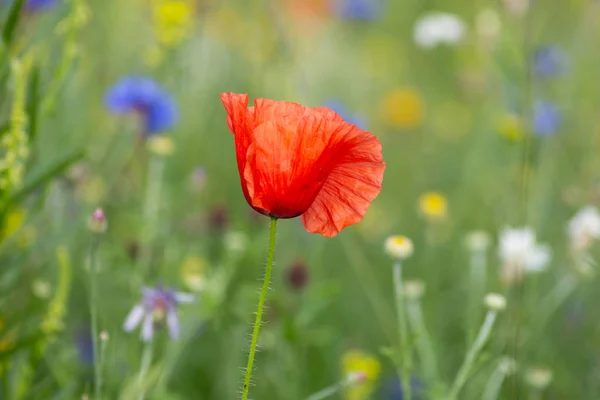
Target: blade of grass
(10,25)
(48,174)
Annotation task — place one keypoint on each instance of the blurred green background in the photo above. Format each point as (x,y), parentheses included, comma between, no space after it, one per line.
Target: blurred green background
(468,146)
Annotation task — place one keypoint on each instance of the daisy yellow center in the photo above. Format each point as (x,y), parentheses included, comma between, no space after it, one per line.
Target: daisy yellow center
(399,240)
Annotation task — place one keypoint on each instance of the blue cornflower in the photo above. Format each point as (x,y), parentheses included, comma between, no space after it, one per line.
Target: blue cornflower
(392,390)
(36,5)
(157,307)
(146,97)
(549,61)
(546,118)
(360,10)
(340,109)
(84,345)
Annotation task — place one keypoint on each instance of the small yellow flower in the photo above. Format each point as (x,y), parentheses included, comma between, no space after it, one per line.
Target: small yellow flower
(14,225)
(359,362)
(193,273)
(403,108)
(172,20)
(433,205)
(512,127)
(161,145)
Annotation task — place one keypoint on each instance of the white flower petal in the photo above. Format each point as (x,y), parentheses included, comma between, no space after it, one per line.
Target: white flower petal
(133,318)
(537,259)
(147,328)
(173,324)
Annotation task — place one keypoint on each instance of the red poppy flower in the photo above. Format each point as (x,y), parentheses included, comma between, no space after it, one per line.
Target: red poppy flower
(300,161)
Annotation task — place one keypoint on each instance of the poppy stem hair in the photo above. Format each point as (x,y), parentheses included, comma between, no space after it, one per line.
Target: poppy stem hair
(259,309)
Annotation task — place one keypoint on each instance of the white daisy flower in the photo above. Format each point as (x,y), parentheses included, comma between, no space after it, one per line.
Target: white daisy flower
(438,28)
(583,228)
(521,254)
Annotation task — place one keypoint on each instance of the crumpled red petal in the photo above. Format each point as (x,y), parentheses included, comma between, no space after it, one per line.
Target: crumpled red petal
(295,160)
(353,183)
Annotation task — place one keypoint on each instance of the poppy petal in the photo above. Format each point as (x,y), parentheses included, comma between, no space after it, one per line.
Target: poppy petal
(240,120)
(353,182)
(285,163)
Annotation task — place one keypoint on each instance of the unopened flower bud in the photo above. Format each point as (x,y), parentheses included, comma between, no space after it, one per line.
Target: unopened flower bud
(297,275)
(98,223)
(218,219)
(538,377)
(507,365)
(103,336)
(41,289)
(478,241)
(161,145)
(495,302)
(414,289)
(399,247)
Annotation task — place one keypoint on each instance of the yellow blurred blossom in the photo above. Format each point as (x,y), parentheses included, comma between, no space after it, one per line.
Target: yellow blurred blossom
(172,21)
(193,273)
(359,362)
(161,145)
(13,222)
(433,205)
(511,126)
(403,108)
(13,225)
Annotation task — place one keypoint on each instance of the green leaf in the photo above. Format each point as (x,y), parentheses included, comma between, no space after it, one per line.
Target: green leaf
(33,100)
(45,176)
(10,25)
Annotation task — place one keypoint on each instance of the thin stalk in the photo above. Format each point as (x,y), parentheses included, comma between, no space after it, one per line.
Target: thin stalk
(103,343)
(494,383)
(423,344)
(94,315)
(259,309)
(404,364)
(144,367)
(333,389)
(559,294)
(480,340)
(151,211)
(477,277)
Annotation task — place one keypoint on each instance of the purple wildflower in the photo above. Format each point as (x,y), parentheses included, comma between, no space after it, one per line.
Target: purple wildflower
(546,118)
(358,10)
(157,307)
(549,61)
